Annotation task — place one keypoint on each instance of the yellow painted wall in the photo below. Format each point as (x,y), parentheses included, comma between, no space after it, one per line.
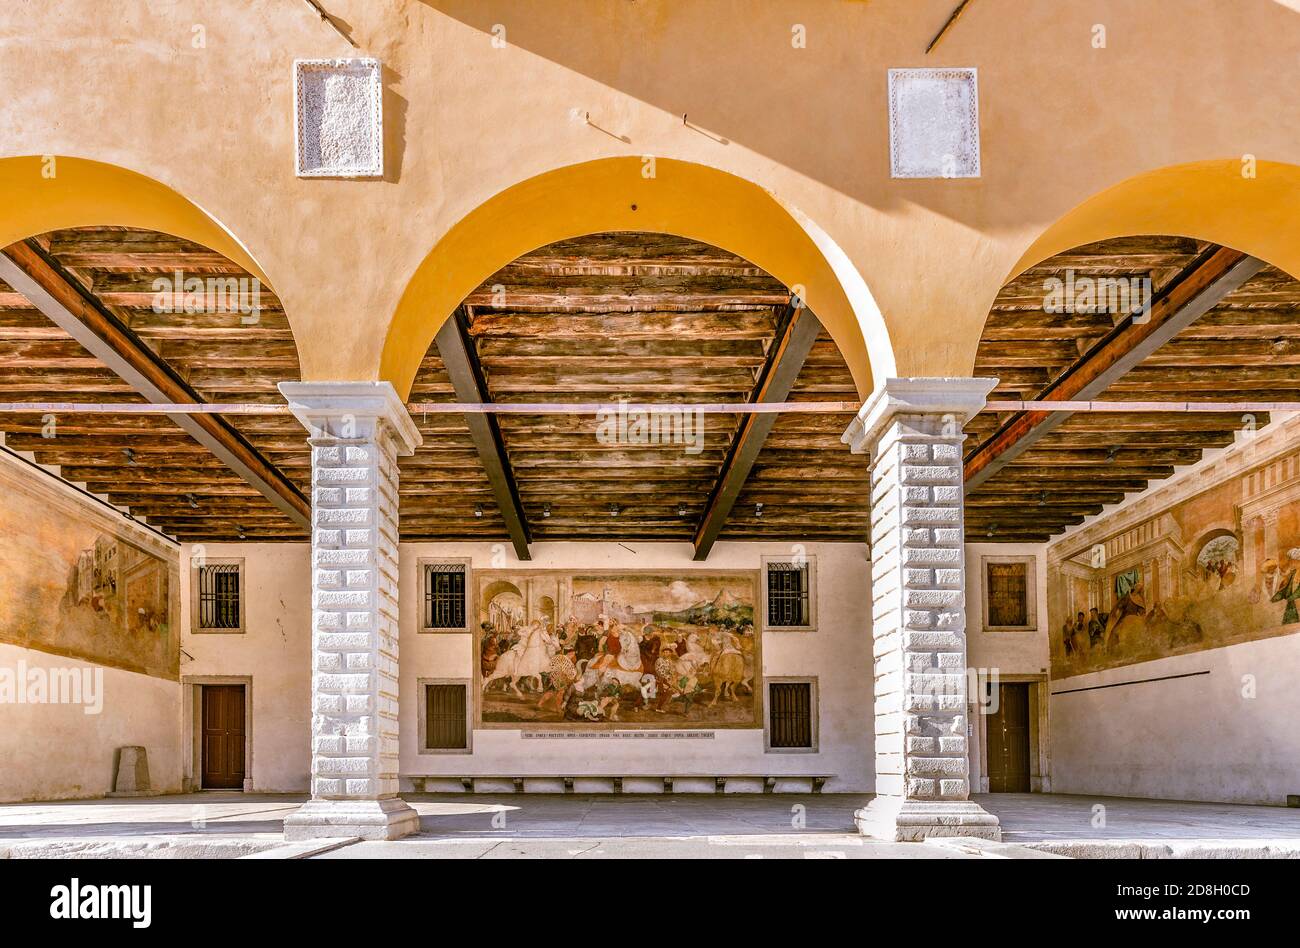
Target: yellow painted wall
(1179,82)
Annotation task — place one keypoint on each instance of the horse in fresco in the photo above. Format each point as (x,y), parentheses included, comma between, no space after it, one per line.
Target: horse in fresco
(609,664)
(526,659)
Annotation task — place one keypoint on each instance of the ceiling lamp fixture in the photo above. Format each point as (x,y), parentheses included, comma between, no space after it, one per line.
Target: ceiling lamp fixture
(758,511)
(546,510)
(614,510)
(478,510)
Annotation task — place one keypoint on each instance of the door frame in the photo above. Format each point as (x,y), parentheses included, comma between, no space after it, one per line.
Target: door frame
(1040,778)
(191,690)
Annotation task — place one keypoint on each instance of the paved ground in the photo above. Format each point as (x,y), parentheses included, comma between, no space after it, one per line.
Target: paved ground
(639,826)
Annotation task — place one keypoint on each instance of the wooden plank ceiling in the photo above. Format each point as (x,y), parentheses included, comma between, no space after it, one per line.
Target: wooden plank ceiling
(144,462)
(1245,348)
(648,318)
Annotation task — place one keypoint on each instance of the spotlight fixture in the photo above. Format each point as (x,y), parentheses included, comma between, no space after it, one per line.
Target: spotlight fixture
(478,510)
(758,511)
(613,510)
(546,510)
(681,510)
(194,504)
(130,456)
(240,530)
(1042,499)
(1110,455)
(992,527)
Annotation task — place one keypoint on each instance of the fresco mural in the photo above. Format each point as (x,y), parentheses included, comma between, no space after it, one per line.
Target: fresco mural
(1214,569)
(592,650)
(71,586)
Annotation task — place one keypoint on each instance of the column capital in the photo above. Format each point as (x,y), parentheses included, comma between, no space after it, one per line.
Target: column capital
(325,409)
(963,398)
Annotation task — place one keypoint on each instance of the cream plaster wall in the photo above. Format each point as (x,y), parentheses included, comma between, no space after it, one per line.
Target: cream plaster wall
(1195,738)
(1011,656)
(196,94)
(838,654)
(275,651)
(59,752)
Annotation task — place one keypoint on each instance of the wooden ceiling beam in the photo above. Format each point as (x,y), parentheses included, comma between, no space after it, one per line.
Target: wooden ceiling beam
(30,270)
(456,349)
(797,331)
(1198,289)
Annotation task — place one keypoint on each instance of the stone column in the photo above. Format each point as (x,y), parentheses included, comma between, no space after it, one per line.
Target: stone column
(913,430)
(357,430)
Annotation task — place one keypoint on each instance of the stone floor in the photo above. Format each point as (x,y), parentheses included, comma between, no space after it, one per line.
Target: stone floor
(680,826)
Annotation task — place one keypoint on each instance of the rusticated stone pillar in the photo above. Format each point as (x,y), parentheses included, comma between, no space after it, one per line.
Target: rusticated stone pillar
(913,430)
(357,430)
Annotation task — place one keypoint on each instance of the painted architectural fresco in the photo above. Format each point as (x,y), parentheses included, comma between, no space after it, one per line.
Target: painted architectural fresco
(1213,569)
(70,585)
(592,650)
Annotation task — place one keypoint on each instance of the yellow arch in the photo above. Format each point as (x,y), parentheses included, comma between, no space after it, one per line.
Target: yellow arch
(613,194)
(1204,200)
(43,193)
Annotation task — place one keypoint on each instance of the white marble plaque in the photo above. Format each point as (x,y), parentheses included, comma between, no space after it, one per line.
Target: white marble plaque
(934,129)
(338,118)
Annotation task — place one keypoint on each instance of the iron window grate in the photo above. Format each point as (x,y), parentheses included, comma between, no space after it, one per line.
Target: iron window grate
(445,727)
(444,596)
(787,594)
(790,714)
(219,596)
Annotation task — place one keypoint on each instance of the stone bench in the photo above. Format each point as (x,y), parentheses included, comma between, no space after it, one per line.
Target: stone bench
(719,781)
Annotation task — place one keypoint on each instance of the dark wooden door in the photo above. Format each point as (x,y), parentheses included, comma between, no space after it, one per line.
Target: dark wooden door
(223,737)
(1008,740)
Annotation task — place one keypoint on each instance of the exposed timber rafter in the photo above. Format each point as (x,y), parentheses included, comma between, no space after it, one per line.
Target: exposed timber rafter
(27,268)
(1199,288)
(456,349)
(797,331)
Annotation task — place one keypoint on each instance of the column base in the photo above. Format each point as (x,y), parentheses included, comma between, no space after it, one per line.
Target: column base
(369,819)
(907,821)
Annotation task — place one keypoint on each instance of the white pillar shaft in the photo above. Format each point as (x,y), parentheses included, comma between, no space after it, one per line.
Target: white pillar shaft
(357,432)
(913,429)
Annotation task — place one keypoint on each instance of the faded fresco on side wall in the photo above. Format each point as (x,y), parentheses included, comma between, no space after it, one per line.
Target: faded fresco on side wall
(1214,569)
(71,585)
(593,650)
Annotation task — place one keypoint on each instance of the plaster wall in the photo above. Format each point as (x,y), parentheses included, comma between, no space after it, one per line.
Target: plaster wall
(1202,737)
(276,652)
(59,752)
(1221,730)
(480,95)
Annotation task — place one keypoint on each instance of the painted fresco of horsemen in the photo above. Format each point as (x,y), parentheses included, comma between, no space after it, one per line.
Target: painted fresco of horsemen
(607,663)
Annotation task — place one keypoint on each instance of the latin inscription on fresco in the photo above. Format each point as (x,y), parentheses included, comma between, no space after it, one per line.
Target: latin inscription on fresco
(71,586)
(606,651)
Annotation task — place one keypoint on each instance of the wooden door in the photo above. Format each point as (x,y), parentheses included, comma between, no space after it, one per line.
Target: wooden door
(223,737)
(1008,740)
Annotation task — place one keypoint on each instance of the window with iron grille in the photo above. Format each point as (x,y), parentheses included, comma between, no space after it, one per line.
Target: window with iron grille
(445,721)
(787,595)
(444,595)
(790,714)
(1007,594)
(219,596)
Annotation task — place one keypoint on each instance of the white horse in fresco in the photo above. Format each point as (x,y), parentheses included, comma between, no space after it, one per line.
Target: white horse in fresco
(527,658)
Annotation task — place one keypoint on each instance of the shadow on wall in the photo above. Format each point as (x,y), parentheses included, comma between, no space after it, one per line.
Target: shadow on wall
(742,79)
